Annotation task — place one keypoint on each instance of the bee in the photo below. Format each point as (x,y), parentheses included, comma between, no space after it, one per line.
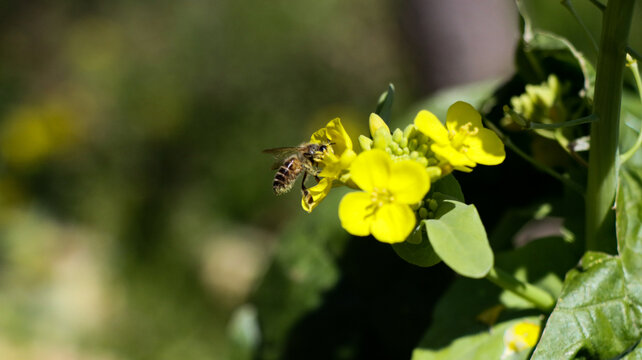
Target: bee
(296,160)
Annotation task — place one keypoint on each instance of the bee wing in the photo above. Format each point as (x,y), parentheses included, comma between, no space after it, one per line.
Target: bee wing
(280,154)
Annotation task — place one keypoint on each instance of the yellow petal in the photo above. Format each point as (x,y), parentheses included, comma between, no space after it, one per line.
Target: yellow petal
(451,155)
(393,223)
(318,192)
(375,123)
(409,182)
(461,113)
(485,148)
(338,136)
(319,137)
(371,169)
(331,164)
(428,124)
(355,213)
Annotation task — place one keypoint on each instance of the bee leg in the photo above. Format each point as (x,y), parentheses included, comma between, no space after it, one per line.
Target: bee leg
(304,191)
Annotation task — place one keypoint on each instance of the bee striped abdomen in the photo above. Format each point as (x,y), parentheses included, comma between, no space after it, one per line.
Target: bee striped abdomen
(286,175)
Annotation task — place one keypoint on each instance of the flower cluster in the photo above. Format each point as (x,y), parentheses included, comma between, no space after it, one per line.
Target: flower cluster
(395,169)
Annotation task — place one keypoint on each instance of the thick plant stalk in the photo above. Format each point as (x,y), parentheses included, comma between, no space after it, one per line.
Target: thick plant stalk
(536,296)
(600,192)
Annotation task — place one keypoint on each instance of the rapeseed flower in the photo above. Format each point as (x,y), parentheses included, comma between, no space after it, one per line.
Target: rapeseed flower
(463,142)
(383,208)
(519,337)
(334,163)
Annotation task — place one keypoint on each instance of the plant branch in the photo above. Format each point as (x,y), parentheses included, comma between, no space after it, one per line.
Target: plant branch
(508,142)
(533,294)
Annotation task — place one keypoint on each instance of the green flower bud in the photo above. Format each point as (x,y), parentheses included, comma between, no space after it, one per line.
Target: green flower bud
(408,131)
(397,136)
(412,144)
(423,161)
(365,143)
(414,155)
(416,206)
(432,204)
(422,149)
(434,172)
(380,141)
(423,213)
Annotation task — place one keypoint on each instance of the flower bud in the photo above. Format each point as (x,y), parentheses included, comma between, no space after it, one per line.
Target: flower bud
(376,122)
(365,142)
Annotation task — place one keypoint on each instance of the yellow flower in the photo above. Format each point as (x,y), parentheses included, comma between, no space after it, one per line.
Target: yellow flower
(383,208)
(338,158)
(519,337)
(463,142)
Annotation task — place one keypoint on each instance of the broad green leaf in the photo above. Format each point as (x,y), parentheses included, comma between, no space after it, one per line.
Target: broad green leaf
(417,249)
(546,16)
(596,315)
(559,37)
(483,345)
(459,238)
(384,106)
(629,228)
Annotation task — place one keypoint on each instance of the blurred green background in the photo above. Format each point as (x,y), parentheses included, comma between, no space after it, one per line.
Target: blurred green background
(136,211)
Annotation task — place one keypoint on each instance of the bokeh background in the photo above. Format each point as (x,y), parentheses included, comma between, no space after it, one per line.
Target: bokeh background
(136,212)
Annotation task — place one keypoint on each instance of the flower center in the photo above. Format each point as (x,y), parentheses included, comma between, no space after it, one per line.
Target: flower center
(458,137)
(378,198)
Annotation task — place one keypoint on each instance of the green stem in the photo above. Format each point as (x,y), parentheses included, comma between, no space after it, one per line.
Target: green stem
(633,65)
(538,297)
(600,194)
(584,120)
(599,5)
(507,141)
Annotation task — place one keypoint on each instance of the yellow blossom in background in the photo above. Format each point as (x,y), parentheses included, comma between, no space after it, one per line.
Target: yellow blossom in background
(338,158)
(463,142)
(519,337)
(389,188)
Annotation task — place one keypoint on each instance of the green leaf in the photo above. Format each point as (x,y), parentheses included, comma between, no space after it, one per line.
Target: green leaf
(541,262)
(545,36)
(482,345)
(417,249)
(596,316)
(384,106)
(459,238)
(628,217)
(450,186)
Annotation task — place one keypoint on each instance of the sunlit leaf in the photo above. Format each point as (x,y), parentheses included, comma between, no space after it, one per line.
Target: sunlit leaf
(596,316)
(459,238)
(478,346)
